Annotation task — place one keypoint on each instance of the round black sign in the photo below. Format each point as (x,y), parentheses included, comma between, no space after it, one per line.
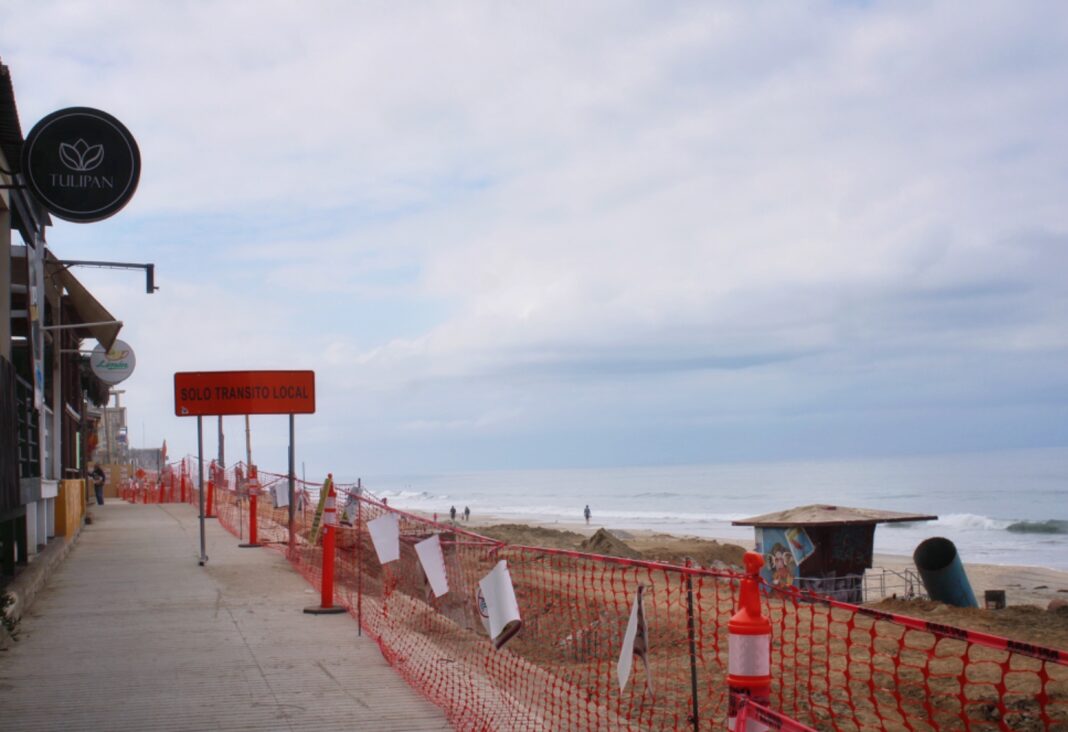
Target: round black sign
(81,163)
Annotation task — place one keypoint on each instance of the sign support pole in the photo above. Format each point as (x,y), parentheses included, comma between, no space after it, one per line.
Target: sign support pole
(248,442)
(218,393)
(292,486)
(359,564)
(200,475)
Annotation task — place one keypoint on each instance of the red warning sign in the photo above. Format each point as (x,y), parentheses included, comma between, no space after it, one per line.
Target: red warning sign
(200,393)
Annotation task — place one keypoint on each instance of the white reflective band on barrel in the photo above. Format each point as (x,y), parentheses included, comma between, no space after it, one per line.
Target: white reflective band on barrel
(331,511)
(749,655)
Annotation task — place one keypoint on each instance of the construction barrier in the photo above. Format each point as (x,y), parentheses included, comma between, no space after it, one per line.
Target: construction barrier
(848,667)
(749,644)
(755,717)
(833,666)
(148,488)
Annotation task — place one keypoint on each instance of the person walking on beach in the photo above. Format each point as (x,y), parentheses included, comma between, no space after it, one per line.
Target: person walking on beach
(98,483)
(467,513)
(452,513)
(587,513)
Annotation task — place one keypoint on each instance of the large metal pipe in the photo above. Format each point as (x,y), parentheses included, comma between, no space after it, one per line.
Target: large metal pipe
(942,573)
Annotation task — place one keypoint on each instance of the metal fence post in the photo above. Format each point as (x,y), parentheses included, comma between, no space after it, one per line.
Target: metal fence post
(691,631)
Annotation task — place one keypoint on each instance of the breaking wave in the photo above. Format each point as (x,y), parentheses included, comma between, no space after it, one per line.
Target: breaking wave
(1052,526)
(971,521)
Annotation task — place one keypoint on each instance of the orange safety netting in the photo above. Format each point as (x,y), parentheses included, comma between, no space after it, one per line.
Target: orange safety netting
(844,667)
(834,666)
(751,715)
(149,487)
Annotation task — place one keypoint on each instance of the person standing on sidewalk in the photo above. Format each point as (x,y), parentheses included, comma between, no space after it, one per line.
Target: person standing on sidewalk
(98,483)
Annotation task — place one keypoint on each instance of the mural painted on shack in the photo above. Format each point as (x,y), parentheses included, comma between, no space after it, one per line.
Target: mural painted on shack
(784,550)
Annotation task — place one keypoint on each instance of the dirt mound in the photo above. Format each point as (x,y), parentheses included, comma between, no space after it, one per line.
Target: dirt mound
(634,545)
(604,542)
(1017,622)
(704,553)
(532,536)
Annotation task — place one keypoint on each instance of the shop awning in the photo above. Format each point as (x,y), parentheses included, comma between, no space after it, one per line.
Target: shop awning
(94,318)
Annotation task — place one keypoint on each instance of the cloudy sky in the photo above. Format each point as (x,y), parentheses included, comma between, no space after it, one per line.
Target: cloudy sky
(510,235)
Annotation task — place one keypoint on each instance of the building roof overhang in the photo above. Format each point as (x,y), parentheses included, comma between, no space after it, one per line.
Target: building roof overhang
(10,130)
(818,514)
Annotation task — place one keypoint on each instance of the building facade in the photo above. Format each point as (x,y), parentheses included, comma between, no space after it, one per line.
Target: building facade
(47,391)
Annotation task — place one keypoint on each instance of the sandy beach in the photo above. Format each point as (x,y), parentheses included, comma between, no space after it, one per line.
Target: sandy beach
(1028,590)
(1022,585)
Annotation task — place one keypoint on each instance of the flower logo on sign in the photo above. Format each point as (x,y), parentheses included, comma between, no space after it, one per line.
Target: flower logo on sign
(81,156)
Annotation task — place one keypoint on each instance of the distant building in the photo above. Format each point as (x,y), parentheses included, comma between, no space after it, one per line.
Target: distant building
(149,459)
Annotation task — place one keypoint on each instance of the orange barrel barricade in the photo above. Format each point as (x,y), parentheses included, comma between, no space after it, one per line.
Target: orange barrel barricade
(749,644)
(326,604)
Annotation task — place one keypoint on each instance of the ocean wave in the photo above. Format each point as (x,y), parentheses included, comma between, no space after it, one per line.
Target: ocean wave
(1052,526)
(631,518)
(404,496)
(659,494)
(701,518)
(971,521)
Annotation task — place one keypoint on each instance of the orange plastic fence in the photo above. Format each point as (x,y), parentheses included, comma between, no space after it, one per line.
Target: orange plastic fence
(835,666)
(840,666)
(752,715)
(148,488)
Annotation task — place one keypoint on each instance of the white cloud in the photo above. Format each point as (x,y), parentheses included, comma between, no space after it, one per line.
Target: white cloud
(493,207)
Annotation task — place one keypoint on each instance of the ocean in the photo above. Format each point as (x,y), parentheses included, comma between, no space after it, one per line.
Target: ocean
(1006,507)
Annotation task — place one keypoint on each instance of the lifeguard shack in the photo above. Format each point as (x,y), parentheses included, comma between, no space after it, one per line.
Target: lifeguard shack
(821,548)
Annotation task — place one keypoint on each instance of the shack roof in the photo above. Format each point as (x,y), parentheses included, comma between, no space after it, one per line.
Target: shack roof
(819,514)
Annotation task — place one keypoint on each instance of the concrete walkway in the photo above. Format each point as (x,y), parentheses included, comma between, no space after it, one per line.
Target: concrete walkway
(131,634)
